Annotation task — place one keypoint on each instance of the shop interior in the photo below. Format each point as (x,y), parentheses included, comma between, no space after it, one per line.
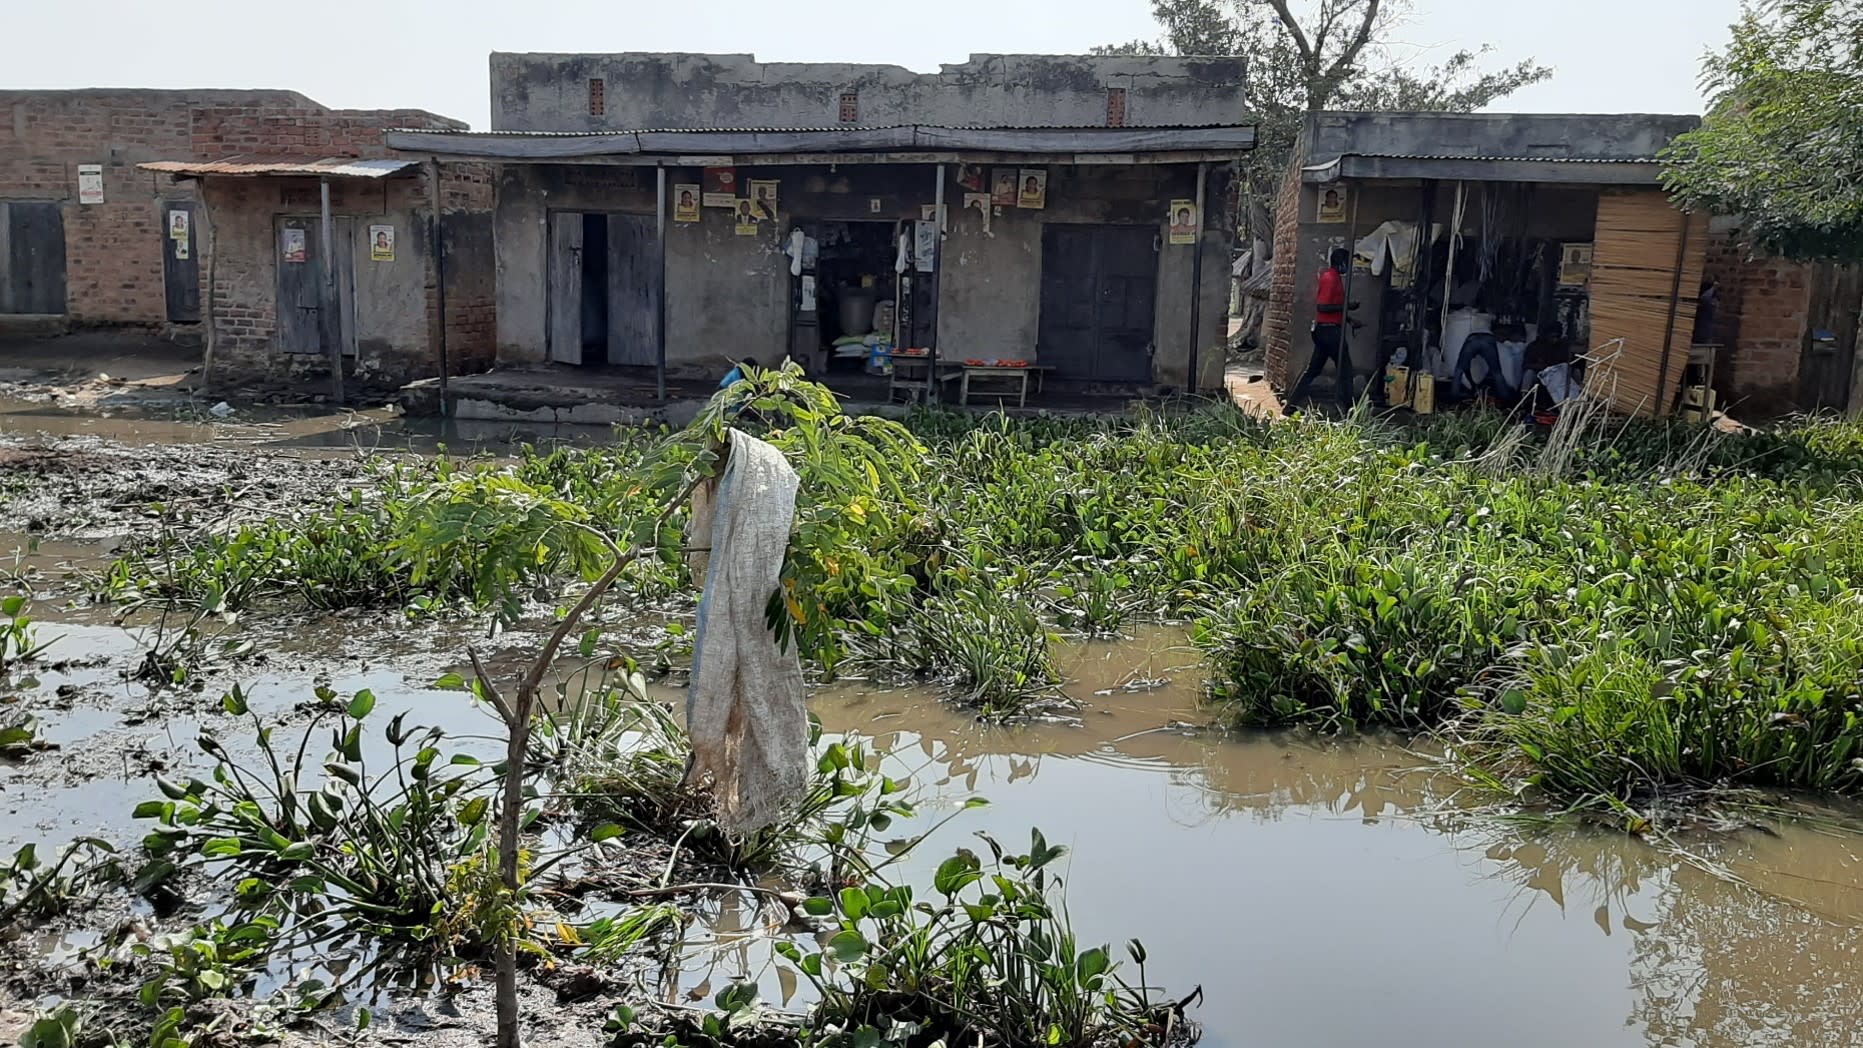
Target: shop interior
(853,293)
(1498,311)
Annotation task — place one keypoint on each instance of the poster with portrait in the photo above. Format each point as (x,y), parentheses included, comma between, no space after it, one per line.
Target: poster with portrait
(1332,205)
(686,203)
(90,184)
(1183,222)
(181,250)
(1575,265)
(746,217)
(720,187)
(763,198)
(177,224)
(1032,187)
(970,176)
(291,247)
(1003,187)
(381,243)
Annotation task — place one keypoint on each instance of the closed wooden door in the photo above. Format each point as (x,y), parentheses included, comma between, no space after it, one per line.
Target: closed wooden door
(565,287)
(305,324)
(1098,302)
(1829,362)
(634,290)
(32,257)
(181,266)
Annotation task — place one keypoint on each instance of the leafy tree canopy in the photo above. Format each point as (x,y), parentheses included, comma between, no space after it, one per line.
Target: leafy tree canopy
(1782,144)
(1309,55)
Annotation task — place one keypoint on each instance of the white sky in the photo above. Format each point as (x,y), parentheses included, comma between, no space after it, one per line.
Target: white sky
(1610,55)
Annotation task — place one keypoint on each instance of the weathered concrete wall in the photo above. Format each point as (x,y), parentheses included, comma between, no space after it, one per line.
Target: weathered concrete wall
(729,296)
(553,92)
(1591,135)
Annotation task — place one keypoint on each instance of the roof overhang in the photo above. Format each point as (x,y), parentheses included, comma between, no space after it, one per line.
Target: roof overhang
(255,167)
(907,143)
(1572,170)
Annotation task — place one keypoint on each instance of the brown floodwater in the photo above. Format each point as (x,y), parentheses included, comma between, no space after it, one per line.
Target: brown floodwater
(1321,894)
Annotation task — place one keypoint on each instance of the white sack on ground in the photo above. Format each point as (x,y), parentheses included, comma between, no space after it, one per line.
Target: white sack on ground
(744,710)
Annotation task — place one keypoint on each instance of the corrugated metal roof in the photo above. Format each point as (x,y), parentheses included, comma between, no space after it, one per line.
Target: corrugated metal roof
(809,130)
(336,166)
(1495,159)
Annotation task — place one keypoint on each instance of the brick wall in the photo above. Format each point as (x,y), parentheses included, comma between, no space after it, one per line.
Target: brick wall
(1278,321)
(1763,310)
(113,250)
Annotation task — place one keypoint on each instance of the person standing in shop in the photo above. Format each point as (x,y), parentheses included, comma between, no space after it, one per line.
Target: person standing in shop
(1329,320)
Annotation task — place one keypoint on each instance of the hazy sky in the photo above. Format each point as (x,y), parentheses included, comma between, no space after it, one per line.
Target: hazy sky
(1610,55)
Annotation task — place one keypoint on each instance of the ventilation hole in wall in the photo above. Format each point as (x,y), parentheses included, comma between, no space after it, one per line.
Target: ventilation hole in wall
(598,100)
(850,107)
(1115,107)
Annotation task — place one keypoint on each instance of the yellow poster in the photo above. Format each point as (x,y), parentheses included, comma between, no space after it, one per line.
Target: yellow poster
(381,243)
(1332,205)
(746,218)
(763,198)
(686,203)
(1183,222)
(1575,265)
(1034,187)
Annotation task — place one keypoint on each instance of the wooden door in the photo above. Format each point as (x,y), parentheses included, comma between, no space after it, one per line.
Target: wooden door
(32,257)
(634,289)
(1829,361)
(300,286)
(565,287)
(181,265)
(1098,302)
(305,325)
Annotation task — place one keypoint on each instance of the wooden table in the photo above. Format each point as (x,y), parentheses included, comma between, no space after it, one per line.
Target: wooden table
(1019,374)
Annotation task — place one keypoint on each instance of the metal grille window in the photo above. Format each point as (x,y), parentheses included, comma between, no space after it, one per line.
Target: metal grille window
(850,107)
(598,101)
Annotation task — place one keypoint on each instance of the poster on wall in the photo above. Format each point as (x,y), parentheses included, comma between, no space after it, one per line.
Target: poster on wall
(1183,222)
(177,224)
(746,218)
(720,187)
(1033,183)
(381,243)
(970,176)
(808,293)
(763,198)
(1574,265)
(925,246)
(1333,206)
(90,184)
(1003,187)
(980,202)
(291,248)
(686,202)
(181,250)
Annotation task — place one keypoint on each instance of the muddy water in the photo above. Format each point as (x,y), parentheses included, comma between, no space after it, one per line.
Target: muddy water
(1322,895)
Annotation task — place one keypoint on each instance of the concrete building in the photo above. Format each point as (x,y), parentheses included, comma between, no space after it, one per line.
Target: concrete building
(1532,219)
(677,211)
(104,224)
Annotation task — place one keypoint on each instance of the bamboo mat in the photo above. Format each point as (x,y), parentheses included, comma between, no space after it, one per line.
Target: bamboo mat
(1633,275)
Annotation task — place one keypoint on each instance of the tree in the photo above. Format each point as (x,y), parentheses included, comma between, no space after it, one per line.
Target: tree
(1324,54)
(1782,143)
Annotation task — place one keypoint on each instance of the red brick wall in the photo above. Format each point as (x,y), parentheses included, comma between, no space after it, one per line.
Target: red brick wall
(1278,321)
(113,250)
(1763,310)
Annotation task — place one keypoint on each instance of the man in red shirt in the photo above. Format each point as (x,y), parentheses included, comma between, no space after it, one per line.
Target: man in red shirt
(1329,318)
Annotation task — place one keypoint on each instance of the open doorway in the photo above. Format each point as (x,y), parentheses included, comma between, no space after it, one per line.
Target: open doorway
(852,311)
(605,284)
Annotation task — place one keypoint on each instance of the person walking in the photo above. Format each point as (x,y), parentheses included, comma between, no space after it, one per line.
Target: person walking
(1329,320)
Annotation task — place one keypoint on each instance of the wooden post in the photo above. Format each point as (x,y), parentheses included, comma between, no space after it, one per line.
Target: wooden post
(1661,406)
(659,224)
(207,314)
(1196,278)
(438,262)
(932,331)
(330,310)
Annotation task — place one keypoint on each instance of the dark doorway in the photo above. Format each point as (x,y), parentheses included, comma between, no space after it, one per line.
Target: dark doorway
(32,257)
(1098,292)
(604,289)
(1832,321)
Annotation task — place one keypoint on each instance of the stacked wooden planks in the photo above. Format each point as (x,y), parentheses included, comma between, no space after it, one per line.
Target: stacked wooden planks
(1634,287)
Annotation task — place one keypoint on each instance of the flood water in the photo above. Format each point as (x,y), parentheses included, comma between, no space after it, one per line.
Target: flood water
(1321,894)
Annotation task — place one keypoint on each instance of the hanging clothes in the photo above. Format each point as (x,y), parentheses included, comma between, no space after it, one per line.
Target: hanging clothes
(1393,244)
(745,715)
